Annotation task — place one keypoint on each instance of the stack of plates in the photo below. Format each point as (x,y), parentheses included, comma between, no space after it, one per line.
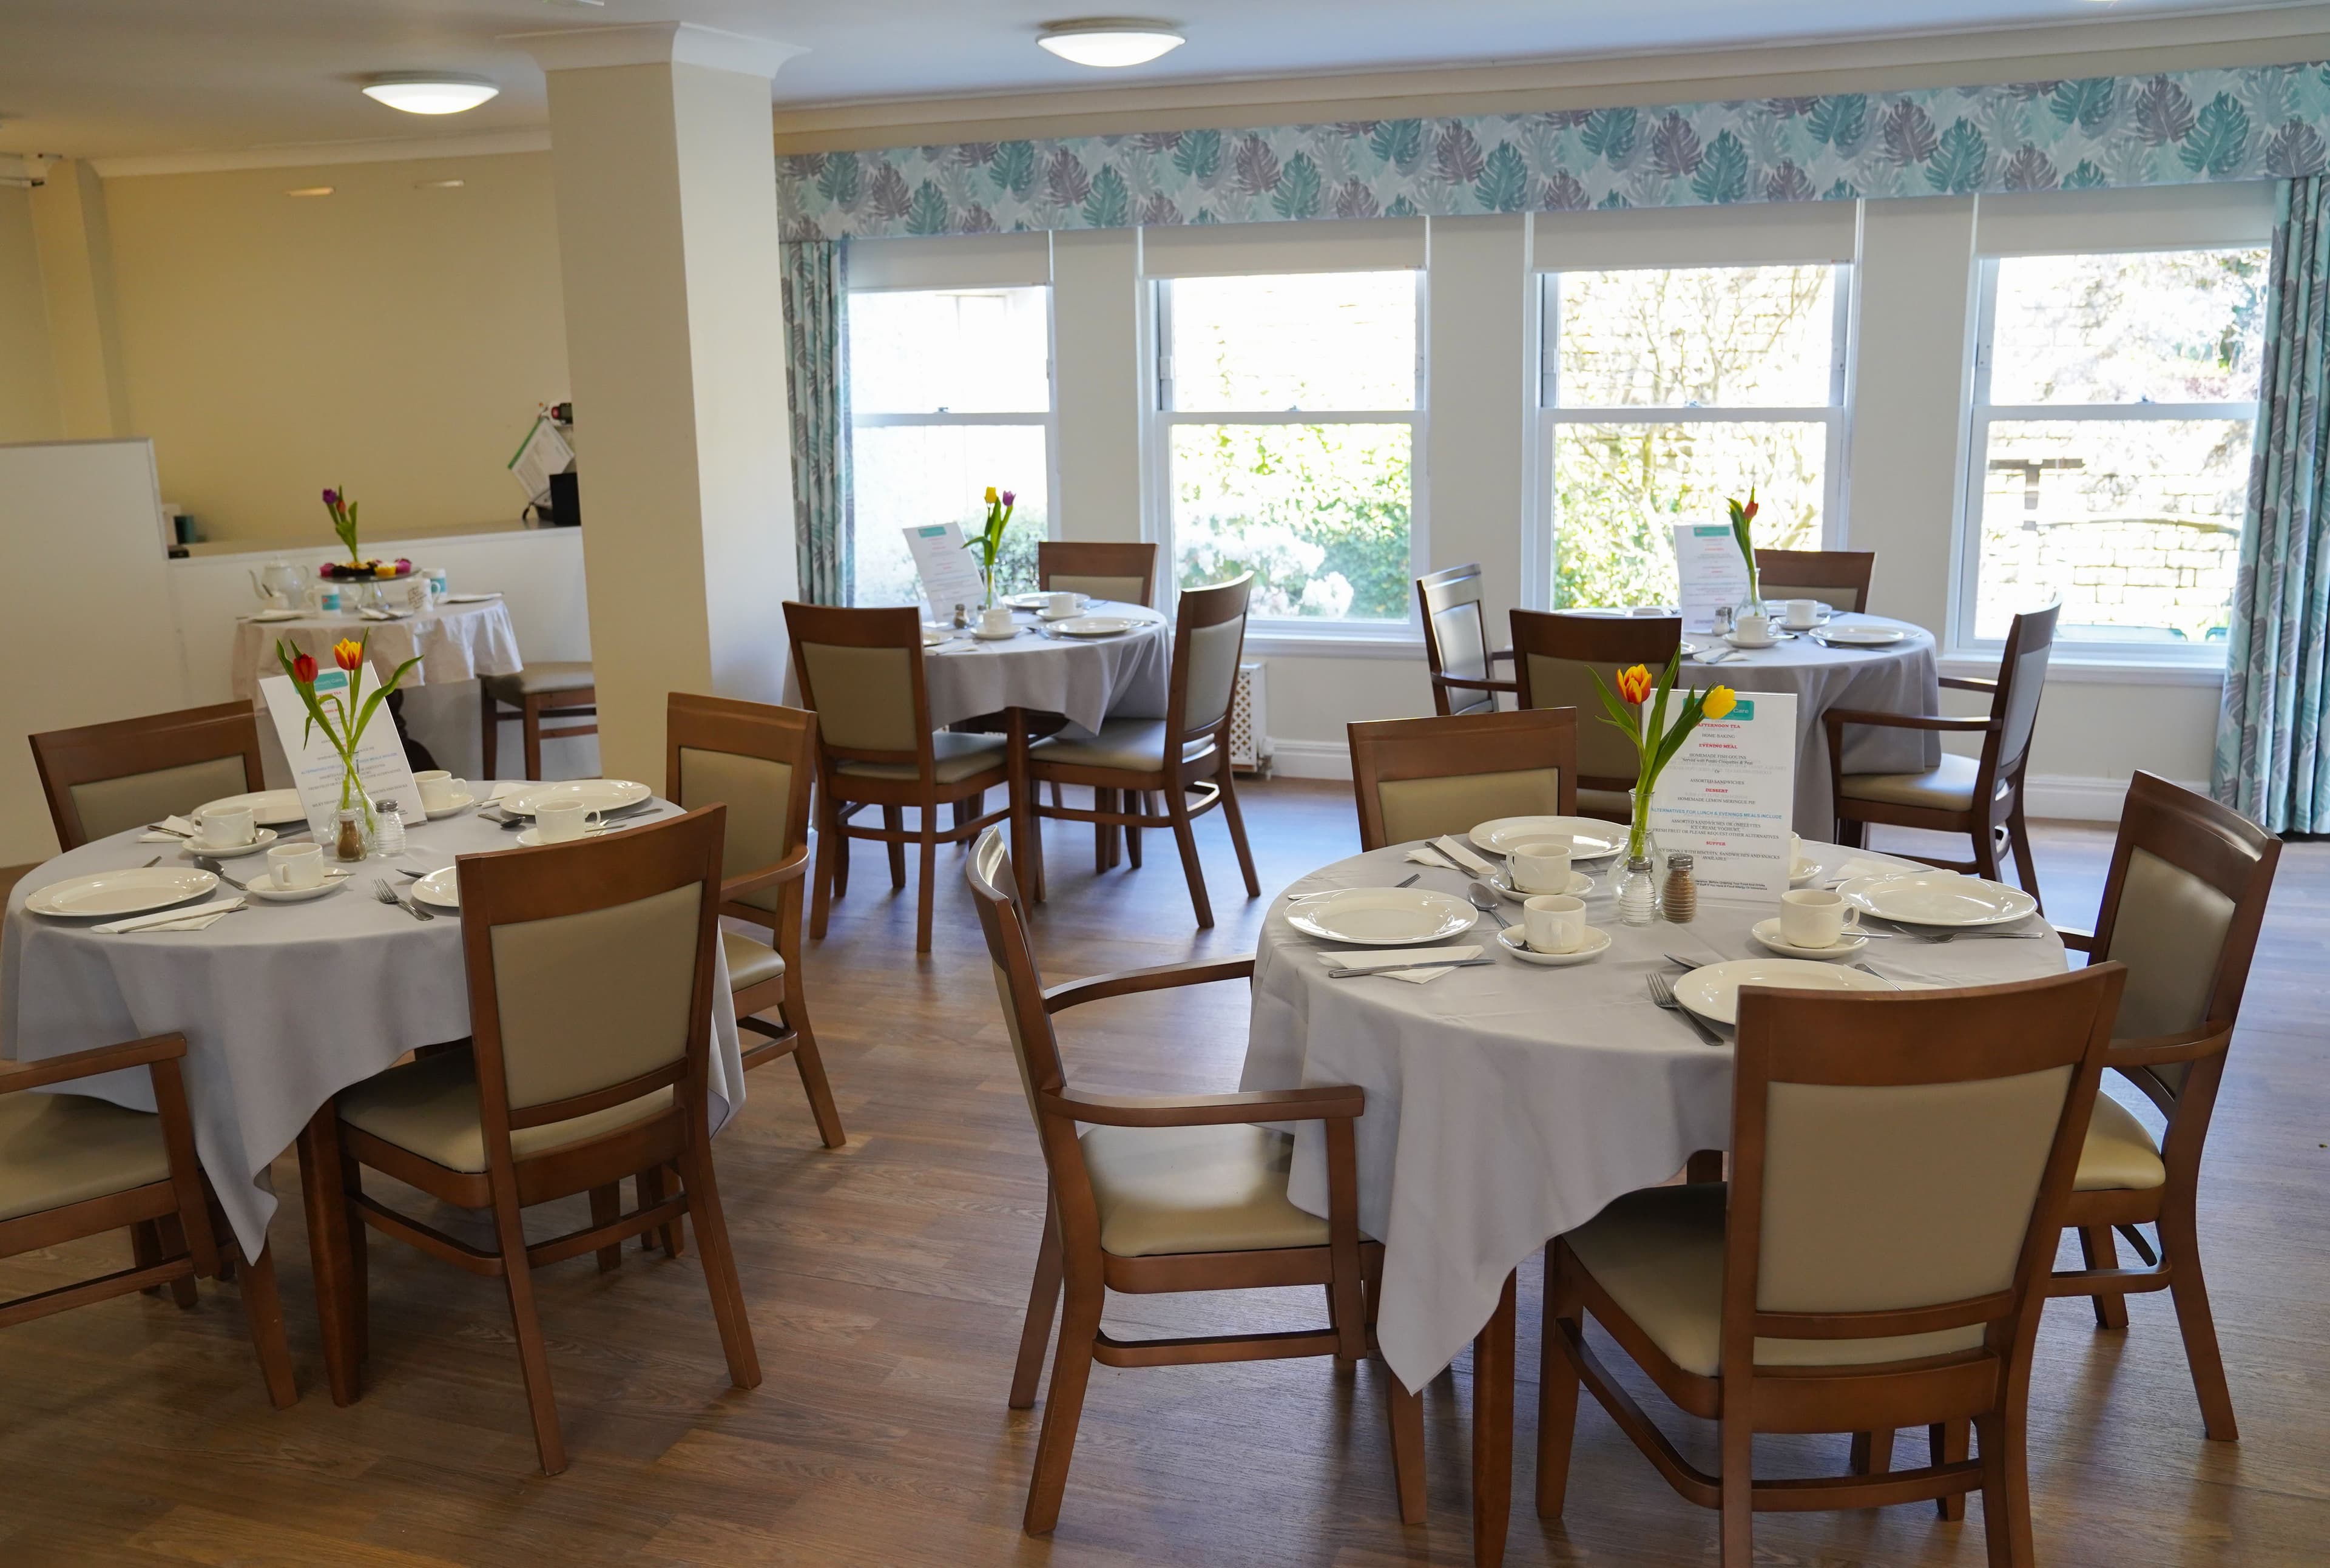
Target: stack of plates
(1948,900)
(1590,838)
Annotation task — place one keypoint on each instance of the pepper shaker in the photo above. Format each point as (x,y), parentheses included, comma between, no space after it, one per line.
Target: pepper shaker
(1679,900)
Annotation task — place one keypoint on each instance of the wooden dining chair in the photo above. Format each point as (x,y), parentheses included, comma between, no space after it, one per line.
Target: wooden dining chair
(1457,651)
(1167,1193)
(590,979)
(73,1166)
(1418,778)
(757,760)
(1122,572)
(1838,578)
(104,779)
(861,671)
(1187,751)
(1555,659)
(1980,796)
(563,690)
(1901,1167)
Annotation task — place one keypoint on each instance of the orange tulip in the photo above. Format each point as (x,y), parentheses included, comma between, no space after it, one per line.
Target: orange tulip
(1634,684)
(348,655)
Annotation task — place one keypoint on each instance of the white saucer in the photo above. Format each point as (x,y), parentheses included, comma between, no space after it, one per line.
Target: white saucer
(1767,932)
(261,888)
(1598,941)
(1803,871)
(995,636)
(1580,884)
(1047,615)
(455,810)
(1777,638)
(264,837)
(440,887)
(531,838)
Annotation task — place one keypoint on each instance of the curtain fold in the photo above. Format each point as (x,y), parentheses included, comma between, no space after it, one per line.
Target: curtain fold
(816,287)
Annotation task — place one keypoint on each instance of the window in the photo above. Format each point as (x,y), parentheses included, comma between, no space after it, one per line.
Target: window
(950,392)
(2114,396)
(1668,390)
(1287,416)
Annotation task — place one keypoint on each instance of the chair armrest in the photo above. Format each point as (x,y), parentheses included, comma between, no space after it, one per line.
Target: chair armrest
(2167,1050)
(15,1076)
(1272,1105)
(2078,940)
(791,868)
(1467,683)
(1837,717)
(1497,653)
(1988,683)
(1131,982)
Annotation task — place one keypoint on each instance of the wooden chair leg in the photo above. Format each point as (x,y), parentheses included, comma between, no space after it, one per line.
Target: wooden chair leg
(1948,1443)
(1043,1298)
(173,1237)
(674,1236)
(1236,818)
(1738,1492)
(1997,1495)
(1071,1373)
(1557,1388)
(2180,1250)
(1405,1412)
(1176,807)
(2026,864)
(525,1325)
(719,1262)
(1493,1432)
(841,861)
(262,1313)
(359,1298)
(1104,836)
(1137,803)
(2098,1250)
(893,820)
(812,1068)
(1985,851)
(327,1251)
(832,854)
(532,724)
(490,736)
(649,1183)
(1872,1453)
(606,1208)
(1706,1165)
(926,897)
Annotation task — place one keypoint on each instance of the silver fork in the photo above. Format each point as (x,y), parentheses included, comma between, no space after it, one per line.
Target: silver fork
(1663,992)
(387,895)
(211,864)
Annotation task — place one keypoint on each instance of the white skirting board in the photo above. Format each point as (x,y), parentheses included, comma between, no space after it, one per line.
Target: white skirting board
(2060,797)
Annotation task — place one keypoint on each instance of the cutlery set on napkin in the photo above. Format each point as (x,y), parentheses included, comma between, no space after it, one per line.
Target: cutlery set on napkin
(196,920)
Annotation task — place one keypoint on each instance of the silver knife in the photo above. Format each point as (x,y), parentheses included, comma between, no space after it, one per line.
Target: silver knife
(1399,968)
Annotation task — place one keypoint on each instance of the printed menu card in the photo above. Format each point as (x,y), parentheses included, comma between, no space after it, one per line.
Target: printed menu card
(316,766)
(1728,796)
(950,576)
(1709,567)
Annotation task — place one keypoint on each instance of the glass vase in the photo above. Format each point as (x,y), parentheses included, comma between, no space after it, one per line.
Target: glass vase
(1637,882)
(352,829)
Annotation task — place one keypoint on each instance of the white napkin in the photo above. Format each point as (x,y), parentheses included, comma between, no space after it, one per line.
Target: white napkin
(1387,962)
(174,919)
(1428,856)
(468,598)
(385,615)
(180,830)
(1462,856)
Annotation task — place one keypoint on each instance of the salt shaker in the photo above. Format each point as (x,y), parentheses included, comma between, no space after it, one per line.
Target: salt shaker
(389,837)
(1678,902)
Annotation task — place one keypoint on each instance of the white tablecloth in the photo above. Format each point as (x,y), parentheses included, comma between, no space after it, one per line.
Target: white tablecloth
(282,1005)
(1900,679)
(1506,1105)
(453,642)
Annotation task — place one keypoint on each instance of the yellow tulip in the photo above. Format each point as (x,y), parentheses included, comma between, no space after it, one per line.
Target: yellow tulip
(1720,700)
(991,495)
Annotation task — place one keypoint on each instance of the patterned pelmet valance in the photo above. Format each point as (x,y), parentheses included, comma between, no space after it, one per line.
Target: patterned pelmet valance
(2097,132)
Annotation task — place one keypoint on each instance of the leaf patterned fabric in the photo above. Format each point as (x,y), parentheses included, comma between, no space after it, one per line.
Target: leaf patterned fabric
(816,289)
(2269,763)
(2179,128)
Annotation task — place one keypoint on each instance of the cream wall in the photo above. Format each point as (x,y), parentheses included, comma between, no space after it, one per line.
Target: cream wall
(28,372)
(387,338)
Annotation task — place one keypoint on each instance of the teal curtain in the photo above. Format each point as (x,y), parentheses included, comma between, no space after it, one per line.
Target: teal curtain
(816,381)
(2269,765)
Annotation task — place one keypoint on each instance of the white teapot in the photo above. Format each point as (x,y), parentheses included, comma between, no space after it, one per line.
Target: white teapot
(278,585)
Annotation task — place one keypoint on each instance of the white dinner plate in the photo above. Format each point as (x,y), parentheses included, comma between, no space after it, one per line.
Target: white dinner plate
(1590,839)
(1580,884)
(450,809)
(1864,636)
(272,615)
(1095,626)
(269,808)
(1713,992)
(259,840)
(264,888)
(1382,917)
(1036,601)
(1939,899)
(599,795)
(108,894)
(1767,932)
(1514,939)
(440,887)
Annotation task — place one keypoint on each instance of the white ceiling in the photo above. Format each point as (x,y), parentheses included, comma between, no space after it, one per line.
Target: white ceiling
(110,78)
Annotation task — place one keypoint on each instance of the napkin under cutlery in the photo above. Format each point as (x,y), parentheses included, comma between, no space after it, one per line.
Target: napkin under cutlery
(1447,845)
(1393,963)
(197,919)
(1428,856)
(385,615)
(168,831)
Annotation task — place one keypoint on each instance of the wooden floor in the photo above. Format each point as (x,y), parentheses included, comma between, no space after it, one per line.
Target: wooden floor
(887,1281)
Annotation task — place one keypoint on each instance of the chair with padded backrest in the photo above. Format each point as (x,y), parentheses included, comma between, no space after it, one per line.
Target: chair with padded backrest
(1186,751)
(589,970)
(1838,578)
(73,1166)
(1900,1165)
(1456,651)
(861,671)
(1167,1193)
(1980,796)
(1555,659)
(1122,573)
(106,778)
(1419,778)
(757,760)
(545,688)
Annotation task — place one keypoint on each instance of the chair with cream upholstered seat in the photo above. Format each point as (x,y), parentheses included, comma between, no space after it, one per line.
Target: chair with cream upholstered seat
(1556,658)
(1188,751)
(1838,578)
(861,671)
(590,977)
(1457,651)
(1900,1165)
(1419,778)
(1167,1193)
(106,778)
(1120,571)
(1980,796)
(544,690)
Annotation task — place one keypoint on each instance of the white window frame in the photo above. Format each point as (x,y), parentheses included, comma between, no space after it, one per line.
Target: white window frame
(1160,417)
(1980,412)
(1551,415)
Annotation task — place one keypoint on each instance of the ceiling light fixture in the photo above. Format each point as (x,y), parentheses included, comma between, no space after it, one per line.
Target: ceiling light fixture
(429,91)
(1111,42)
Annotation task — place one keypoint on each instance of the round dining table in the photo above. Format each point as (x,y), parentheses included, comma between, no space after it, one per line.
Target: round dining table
(283,1004)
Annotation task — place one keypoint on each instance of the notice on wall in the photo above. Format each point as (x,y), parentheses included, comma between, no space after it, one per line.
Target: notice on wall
(1728,796)
(950,576)
(1708,565)
(316,768)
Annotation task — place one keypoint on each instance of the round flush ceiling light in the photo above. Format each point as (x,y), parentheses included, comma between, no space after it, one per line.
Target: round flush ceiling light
(429,91)
(1111,42)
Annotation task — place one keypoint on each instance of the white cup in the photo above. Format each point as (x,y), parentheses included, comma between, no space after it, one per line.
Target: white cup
(1060,605)
(1752,630)
(230,828)
(296,865)
(1803,614)
(561,822)
(996,621)
(1815,918)
(417,596)
(1542,867)
(440,790)
(1554,923)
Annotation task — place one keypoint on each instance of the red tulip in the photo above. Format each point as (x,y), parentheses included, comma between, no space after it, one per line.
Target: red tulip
(303,670)
(1751,509)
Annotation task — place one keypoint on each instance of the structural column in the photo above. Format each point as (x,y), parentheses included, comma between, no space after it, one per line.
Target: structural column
(666,175)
